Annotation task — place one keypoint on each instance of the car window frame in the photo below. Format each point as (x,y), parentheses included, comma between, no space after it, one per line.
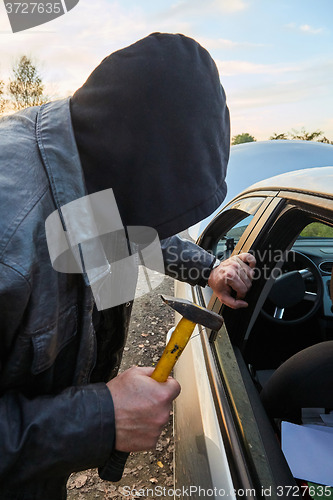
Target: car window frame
(222,223)
(299,211)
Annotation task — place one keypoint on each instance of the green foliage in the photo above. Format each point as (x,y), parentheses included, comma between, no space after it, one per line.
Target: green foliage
(317,230)
(282,136)
(325,140)
(26,89)
(302,135)
(241,138)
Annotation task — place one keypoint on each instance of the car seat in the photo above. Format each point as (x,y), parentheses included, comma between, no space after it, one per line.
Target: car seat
(303,381)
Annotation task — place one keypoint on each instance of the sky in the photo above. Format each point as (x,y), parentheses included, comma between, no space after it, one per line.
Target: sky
(275,57)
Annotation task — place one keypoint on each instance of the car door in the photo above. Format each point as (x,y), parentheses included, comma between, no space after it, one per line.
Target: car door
(238,445)
(211,452)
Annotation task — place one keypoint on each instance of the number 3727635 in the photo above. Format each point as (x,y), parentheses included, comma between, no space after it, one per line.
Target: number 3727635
(34,8)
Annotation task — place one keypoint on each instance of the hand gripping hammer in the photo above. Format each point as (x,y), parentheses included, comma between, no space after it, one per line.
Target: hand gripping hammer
(192,315)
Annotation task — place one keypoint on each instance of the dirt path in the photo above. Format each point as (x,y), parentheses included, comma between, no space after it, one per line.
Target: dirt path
(151,319)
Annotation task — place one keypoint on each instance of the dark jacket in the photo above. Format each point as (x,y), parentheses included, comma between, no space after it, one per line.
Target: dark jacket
(56,350)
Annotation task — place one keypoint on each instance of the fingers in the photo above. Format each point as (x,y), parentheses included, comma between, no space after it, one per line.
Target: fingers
(170,387)
(173,387)
(145,370)
(233,276)
(248,258)
(238,277)
(230,301)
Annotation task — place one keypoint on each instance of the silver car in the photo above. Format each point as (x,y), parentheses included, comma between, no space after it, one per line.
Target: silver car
(228,417)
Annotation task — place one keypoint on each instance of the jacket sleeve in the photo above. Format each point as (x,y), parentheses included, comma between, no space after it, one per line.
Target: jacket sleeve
(50,435)
(186,261)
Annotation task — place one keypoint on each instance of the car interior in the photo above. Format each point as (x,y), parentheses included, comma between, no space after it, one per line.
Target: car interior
(283,342)
(298,315)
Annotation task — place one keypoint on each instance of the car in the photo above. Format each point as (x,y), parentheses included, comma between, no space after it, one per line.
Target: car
(252,162)
(227,423)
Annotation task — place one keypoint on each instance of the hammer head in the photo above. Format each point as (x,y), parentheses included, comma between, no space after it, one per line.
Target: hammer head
(197,314)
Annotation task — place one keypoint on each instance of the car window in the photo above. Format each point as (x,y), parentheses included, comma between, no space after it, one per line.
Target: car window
(227,229)
(227,243)
(240,214)
(278,305)
(316,230)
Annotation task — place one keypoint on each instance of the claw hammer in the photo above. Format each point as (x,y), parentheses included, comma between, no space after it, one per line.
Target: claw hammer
(192,315)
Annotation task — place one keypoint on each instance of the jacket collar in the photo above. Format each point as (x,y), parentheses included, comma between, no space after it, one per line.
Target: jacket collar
(59,152)
(56,142)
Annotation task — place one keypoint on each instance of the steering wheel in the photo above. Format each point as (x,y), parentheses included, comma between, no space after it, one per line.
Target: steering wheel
(297,293)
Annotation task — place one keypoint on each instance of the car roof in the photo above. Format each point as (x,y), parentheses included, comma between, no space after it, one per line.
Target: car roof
(318,181)
(254,161)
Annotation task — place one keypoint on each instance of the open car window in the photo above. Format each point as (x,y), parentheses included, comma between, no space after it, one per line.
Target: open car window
(232,224)
(228,230)
(226,245)
(316,230)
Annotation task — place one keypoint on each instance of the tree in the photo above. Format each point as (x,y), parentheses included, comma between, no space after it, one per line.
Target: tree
(325,140)
(26,89)
(302,135)
(241,138)
(276,137)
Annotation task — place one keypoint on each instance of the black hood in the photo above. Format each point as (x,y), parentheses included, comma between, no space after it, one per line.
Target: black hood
(152,123)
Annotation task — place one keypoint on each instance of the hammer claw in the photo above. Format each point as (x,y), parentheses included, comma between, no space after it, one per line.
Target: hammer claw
(193,312)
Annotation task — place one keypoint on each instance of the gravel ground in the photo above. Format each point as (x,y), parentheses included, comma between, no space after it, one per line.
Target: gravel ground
(151,320)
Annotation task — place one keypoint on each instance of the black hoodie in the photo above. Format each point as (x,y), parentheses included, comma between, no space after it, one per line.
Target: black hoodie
(151,122)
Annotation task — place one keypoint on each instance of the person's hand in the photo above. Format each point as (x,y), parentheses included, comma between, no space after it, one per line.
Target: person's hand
(236,274)
(142,408)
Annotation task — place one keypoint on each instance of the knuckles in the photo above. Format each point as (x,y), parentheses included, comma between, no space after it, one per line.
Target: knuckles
(164,399)
(237,270)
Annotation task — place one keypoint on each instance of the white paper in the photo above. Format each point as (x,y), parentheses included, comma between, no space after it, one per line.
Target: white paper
(327,418)
(309,452)
(320,427)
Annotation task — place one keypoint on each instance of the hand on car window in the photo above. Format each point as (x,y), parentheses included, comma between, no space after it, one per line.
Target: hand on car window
(233,275)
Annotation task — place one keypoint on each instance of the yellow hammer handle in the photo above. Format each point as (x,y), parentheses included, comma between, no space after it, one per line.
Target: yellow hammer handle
(178,340)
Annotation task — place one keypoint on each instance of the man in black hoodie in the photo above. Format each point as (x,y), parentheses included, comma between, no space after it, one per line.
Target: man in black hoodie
(151,124)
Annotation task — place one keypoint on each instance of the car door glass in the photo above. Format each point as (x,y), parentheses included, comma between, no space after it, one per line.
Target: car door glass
(227,229)
(316,230)
(227,243)
(241,213)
